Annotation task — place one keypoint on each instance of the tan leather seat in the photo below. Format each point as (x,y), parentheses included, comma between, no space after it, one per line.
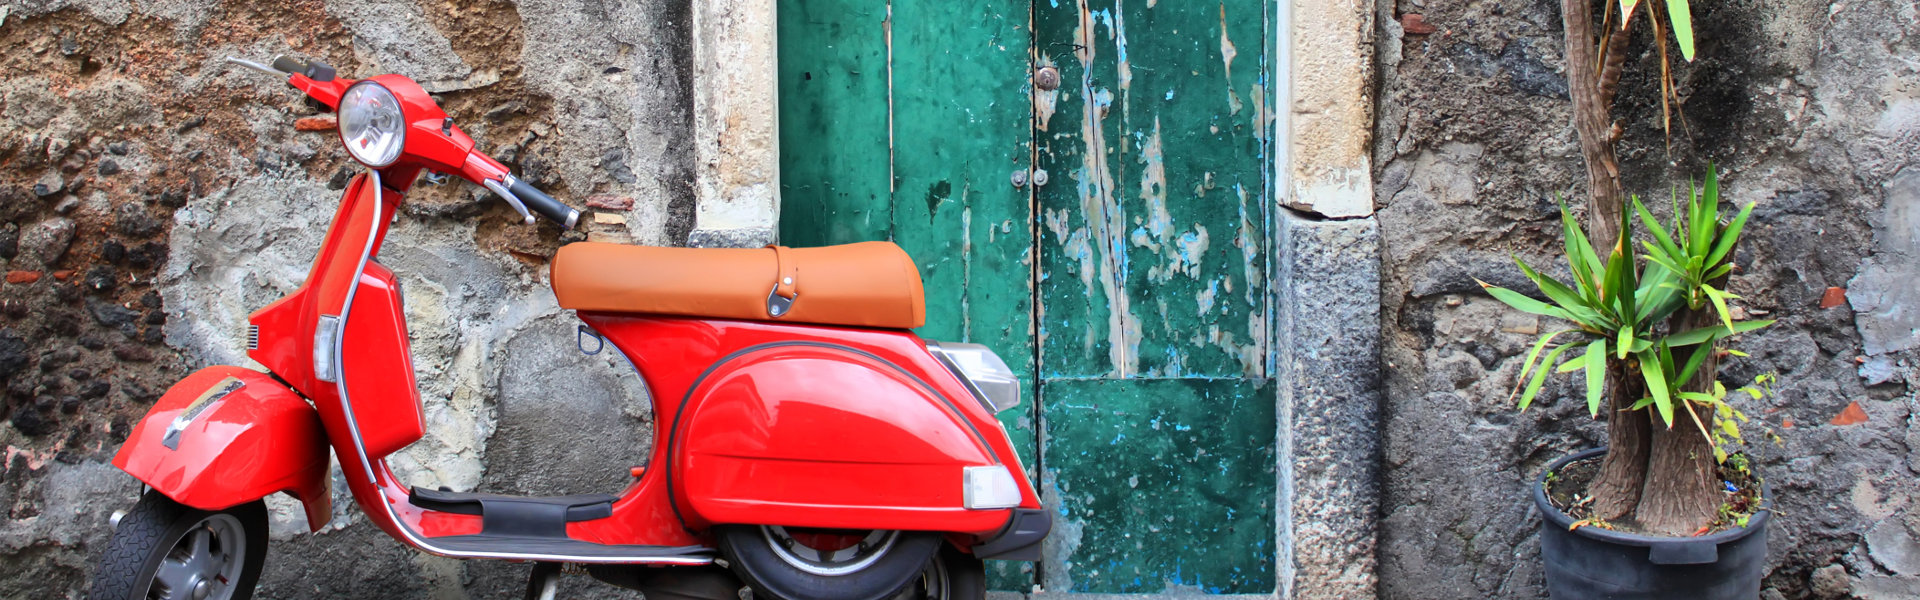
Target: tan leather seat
(869,284)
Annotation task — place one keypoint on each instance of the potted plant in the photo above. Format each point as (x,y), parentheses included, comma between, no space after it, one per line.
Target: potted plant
(1669,509)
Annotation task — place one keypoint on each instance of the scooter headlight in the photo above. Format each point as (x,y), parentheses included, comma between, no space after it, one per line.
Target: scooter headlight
(371,124)
(983,370)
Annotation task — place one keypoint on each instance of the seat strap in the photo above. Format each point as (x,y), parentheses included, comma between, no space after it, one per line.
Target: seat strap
(786,283)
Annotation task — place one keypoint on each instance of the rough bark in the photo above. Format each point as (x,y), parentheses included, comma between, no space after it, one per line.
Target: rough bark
(1613,58)
(1604,203)
(1682,491)
(1616,489)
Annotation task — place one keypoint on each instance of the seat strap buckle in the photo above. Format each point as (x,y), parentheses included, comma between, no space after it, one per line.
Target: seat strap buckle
(786,288)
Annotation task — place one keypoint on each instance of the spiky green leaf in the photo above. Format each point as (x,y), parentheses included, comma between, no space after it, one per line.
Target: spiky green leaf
(1659,233)
(1596,374)
(1724,245)
(1540,377)
(1656,380)
(1532,356)
(1719,299)
(1681,16)
(1523,303)
(1567,299)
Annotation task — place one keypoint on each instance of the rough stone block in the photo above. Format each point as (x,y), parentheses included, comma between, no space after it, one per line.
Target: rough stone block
(1328,368)
(1886,302)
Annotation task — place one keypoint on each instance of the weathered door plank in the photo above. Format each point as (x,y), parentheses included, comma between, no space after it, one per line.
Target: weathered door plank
(1153,297)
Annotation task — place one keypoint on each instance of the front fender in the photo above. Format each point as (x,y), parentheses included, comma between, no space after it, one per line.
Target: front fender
(822,435)
(224,436)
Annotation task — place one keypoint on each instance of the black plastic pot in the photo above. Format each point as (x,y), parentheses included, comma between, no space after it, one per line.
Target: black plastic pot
(1591,563)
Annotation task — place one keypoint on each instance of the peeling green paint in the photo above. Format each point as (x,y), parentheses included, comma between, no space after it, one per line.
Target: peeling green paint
(1130,288)
(1114,259)
(1158,420)
(1166,482)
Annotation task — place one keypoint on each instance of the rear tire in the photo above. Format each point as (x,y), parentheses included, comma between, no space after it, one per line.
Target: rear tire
(776,564)
(953,575)
(164,549)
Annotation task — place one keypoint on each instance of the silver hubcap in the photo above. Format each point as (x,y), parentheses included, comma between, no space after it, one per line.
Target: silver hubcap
(204,564)
(825,562)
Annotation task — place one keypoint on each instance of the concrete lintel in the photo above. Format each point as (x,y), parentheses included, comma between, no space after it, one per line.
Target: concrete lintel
(1322,165)
(1327,348)
(736,122)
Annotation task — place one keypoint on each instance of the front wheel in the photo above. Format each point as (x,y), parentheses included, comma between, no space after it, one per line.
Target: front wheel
(164,550)
(826,564)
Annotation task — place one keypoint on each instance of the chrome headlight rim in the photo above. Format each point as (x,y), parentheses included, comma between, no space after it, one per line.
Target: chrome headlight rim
(394,141)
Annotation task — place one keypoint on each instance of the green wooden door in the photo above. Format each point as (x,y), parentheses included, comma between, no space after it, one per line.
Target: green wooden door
(1130,286)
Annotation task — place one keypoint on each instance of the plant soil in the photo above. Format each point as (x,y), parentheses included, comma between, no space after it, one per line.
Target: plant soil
(1567,491)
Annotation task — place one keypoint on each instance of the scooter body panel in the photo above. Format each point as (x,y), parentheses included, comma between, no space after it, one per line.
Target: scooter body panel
(809,426)
(224,436)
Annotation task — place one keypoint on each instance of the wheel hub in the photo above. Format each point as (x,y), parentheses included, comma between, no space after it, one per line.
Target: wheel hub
(203,562)
(828,553)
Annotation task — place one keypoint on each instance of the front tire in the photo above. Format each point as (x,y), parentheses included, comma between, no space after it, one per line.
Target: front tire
(166,550)
(814,564)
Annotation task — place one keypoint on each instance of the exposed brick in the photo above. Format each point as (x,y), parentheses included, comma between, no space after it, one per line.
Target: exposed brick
(1416,24)
(1835,296)
(1851,415)
(320,123)
(610,202)
(23,276)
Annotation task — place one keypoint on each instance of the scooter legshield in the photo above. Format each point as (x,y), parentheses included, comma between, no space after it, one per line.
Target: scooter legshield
(224,436)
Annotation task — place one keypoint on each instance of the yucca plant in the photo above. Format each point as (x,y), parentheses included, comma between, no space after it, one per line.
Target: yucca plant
(1647,333)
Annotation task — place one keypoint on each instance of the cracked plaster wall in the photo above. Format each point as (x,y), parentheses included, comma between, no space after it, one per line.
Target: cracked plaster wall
(151,196)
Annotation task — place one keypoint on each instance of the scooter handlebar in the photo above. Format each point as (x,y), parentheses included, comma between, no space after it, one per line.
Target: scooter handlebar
(539,202)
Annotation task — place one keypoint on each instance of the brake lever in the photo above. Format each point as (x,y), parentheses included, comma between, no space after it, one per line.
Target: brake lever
(511,199)
(258,67)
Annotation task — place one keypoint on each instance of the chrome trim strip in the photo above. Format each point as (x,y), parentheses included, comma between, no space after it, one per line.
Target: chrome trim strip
(340,340)
(366,464)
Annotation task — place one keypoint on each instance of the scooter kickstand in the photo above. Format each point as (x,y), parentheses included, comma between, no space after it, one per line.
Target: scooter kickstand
(544,583)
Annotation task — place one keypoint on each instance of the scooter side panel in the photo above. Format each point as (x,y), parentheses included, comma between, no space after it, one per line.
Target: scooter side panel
(679,355)
(224,436)
(820,435)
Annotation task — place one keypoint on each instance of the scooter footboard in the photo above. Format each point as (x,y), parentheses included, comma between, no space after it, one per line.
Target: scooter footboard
(224,436)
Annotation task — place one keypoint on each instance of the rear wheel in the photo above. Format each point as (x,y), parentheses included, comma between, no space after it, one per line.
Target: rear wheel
(164,550)
(826,564)
(953,575)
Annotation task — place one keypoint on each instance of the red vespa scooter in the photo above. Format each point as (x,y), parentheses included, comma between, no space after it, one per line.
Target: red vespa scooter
(805,440)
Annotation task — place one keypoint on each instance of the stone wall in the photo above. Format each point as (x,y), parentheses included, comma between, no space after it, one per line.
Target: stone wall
(1811,109)
(152,195)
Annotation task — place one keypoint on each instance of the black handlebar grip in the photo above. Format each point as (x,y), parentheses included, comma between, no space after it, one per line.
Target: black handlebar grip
(539,202)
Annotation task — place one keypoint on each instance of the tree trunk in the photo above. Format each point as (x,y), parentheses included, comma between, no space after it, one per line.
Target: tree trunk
(1616,489)
(1683,481)
(1682,490)
(1590,119)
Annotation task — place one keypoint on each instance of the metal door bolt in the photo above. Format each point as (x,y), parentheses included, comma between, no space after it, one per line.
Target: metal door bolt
(1047,79)
(1039,177)
(1019,179)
